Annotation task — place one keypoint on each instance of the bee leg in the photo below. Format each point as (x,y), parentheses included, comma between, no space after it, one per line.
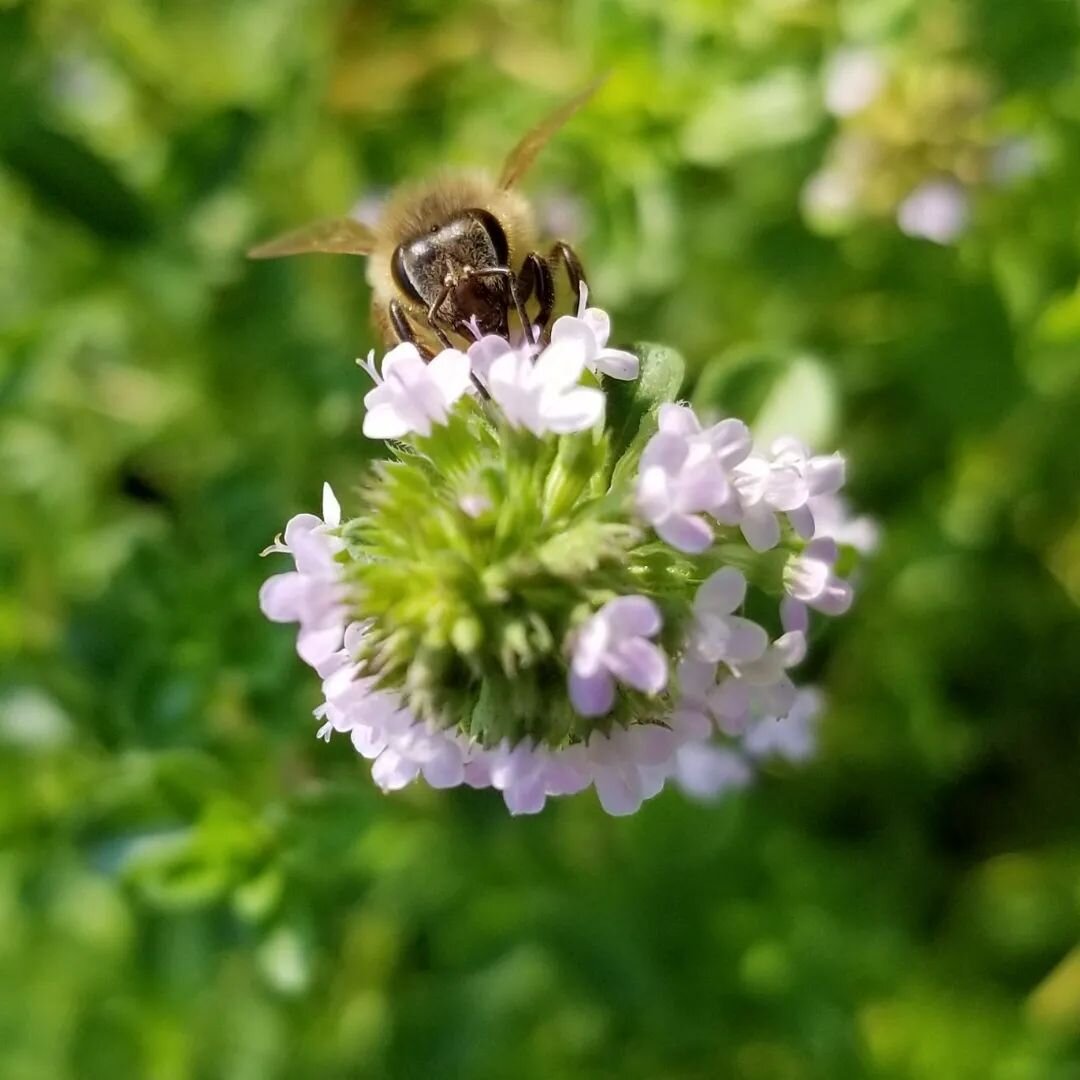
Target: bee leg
(563,253)
(432,318)
(536,277)
(515,296)
(403,329)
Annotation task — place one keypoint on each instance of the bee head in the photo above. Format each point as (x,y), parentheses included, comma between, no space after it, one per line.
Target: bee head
(454,267)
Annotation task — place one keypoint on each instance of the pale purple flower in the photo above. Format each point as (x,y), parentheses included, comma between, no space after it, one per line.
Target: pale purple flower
(758,688)
(527,773)
(486,350)
(614,644)
(383,730)
(833,518)
(518,773)
(823,474)
(683,475)
(809,578)
(937,210)
(628,765)
(706,771)
(783,483)
(765,489)
(590,329)
(312,594)
(854,76)
(729,440)
(792,736)
(413,395)
(718,634)
(543,395)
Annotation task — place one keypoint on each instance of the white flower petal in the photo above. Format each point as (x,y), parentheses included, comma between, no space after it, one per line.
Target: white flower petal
(591,695)
(695,678)
(640,664)
(760,528)
(401,360)
(383,421)
(527,798)
(826,474)
(281,596)
(444,767)
(794,615)
(617,364)
(686,532)
(331,508)
(560,365)
(731,442)
(787,490)
(619,790)
(598,321)
(721,592)
(575,410)
(315,646)
(652,744)
(633,616)
(450,371)
(747,640)
(678,420)
(575,331)
(392,772)
(706,772)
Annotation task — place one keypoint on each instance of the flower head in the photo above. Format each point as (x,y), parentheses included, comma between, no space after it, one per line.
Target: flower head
(505,608)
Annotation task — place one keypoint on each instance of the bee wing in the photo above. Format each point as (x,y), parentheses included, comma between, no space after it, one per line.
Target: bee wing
(336,236)
(524,154)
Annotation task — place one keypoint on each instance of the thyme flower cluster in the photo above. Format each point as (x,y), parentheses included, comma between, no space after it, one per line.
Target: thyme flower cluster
(560,577)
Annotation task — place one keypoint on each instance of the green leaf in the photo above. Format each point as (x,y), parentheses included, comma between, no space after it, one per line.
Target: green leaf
(70,177)
(737,119)
(629,403)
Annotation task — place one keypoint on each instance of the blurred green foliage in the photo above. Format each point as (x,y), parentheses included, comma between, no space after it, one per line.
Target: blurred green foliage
(191,886)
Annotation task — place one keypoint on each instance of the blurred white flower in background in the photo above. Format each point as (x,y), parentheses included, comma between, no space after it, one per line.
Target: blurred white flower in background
(853,77)
(937,210)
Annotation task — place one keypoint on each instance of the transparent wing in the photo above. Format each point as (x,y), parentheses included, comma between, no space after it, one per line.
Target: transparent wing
(524,154)
(338,236)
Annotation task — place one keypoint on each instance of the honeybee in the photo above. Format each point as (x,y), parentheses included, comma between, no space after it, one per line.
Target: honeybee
(454,256)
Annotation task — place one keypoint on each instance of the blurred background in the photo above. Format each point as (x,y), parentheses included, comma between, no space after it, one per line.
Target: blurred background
(859,220)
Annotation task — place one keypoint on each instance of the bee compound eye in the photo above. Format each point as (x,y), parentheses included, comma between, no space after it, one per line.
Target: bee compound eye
(496,234)
(399,272)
